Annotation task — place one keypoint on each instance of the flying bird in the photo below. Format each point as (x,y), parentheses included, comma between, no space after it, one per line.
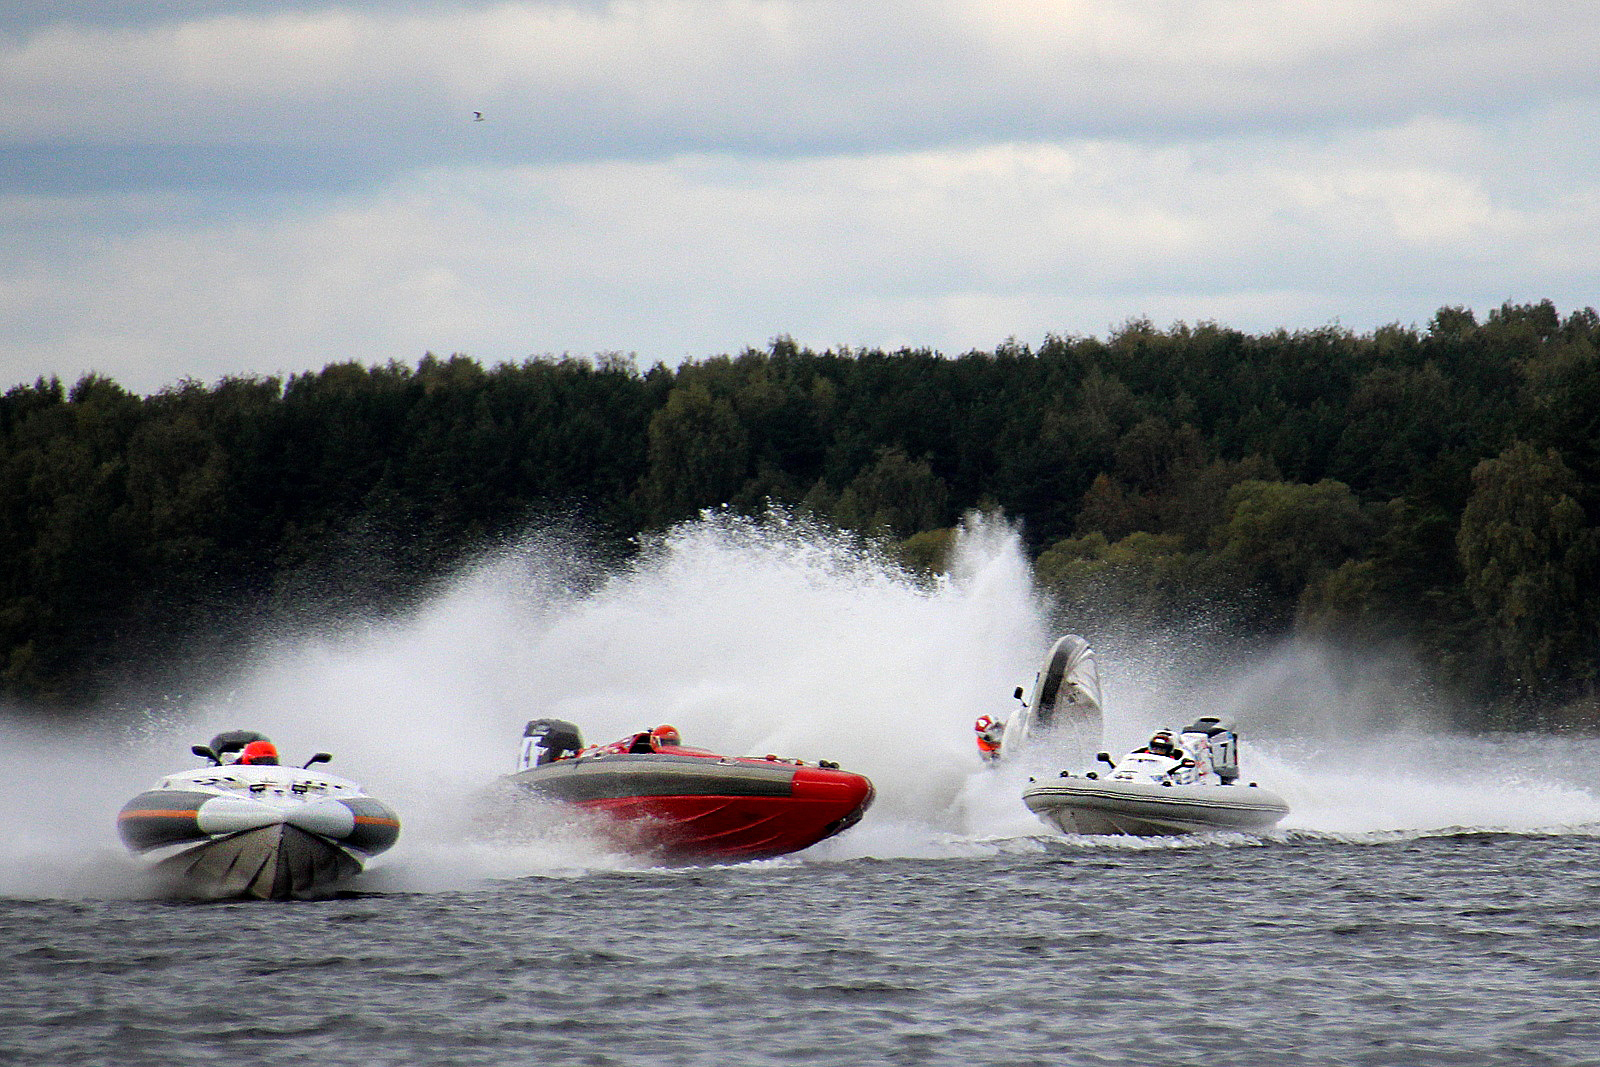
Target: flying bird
(477,116)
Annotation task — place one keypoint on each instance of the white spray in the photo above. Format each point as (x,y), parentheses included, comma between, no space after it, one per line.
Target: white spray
(751,637)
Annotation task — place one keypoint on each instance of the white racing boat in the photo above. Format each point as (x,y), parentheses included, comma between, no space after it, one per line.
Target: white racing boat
(246,826)
(1173,786)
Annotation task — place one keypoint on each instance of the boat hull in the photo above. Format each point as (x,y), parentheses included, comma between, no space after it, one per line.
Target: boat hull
(277,862)
(1101,806)
(268,833)
(694,807)
(1064,711)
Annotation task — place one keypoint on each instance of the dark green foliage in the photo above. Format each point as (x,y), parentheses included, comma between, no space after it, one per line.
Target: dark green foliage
(1440,485)
(142,536)
(1287,536)
(896,496)
(1532,567)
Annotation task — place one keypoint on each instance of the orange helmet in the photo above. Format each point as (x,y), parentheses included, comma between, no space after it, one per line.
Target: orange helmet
(260,753)
(665,737)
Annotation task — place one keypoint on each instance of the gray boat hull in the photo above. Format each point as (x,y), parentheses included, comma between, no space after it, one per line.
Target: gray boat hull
(1076,805)
(278,862)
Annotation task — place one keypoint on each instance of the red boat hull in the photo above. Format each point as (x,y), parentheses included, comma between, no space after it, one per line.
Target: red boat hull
(707,807)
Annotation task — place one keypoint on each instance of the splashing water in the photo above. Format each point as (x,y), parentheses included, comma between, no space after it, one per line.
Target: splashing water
(750,636)
(1350,740)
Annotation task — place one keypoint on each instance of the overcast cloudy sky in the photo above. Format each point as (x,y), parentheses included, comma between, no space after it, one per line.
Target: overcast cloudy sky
(196,188)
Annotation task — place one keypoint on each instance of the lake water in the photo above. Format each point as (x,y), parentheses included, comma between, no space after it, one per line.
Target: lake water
(1470,948)
(1431,899)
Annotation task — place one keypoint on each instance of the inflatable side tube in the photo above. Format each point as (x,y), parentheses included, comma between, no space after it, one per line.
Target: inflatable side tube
(377,826)
(1071,663)
(617,776)
(162,817)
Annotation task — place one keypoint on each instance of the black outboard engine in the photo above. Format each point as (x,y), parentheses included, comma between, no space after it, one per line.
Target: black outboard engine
(552,738)
(1210,736)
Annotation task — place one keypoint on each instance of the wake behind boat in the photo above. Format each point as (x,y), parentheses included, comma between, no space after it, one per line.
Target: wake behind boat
(249,827)
(1172,786)
(664,798)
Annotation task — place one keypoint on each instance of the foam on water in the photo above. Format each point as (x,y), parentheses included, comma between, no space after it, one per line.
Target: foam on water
(755,637)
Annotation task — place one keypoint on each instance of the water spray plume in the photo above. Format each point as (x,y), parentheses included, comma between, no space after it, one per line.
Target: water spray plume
(751,636)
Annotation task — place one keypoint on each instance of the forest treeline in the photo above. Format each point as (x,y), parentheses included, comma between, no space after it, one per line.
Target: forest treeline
(1437,486)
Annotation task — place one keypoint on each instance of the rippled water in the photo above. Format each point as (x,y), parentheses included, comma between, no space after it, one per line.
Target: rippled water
(1477,948)
(1430,899)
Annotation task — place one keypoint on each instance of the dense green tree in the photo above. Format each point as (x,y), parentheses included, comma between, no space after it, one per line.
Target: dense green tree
(1287,535)
(897,496)
(1141,580)
(1442,483)
(699,454)
(1530,560)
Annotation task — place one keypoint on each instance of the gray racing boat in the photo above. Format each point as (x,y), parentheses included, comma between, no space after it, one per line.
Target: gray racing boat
(1184,785)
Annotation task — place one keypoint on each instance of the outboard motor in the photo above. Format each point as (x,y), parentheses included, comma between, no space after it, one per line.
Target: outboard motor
(1214,743)
(552,738)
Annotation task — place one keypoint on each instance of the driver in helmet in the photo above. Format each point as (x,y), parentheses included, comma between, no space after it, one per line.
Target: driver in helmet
(1162,744)
(991,732)
(647,741)
(259,754)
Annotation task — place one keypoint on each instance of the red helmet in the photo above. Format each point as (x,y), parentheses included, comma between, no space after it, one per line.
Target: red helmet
(260,753)
(665,737)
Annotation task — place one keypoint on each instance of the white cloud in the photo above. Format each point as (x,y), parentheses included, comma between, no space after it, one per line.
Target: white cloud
(705,254)
(1417,206)
(686,177)
(1213,33)
(698,74)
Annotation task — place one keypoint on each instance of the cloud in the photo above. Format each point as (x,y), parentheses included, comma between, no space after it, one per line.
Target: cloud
(221,186)
(699,255)
(656,78)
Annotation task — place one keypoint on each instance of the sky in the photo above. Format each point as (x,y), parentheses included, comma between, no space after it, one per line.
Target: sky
(198,189)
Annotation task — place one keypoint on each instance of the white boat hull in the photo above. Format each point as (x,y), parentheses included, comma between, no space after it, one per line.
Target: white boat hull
(1064,712)
(265,832)
(1076,805)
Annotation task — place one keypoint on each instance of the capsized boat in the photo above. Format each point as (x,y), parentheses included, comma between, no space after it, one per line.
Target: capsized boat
(1063,713)
(247,827)
(665,798)
(1172,786)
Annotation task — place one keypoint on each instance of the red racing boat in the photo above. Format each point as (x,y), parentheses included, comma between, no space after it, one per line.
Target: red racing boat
(665,798)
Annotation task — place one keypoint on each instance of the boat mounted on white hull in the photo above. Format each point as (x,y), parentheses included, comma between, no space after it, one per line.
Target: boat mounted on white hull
(248,827)
(1172,786)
